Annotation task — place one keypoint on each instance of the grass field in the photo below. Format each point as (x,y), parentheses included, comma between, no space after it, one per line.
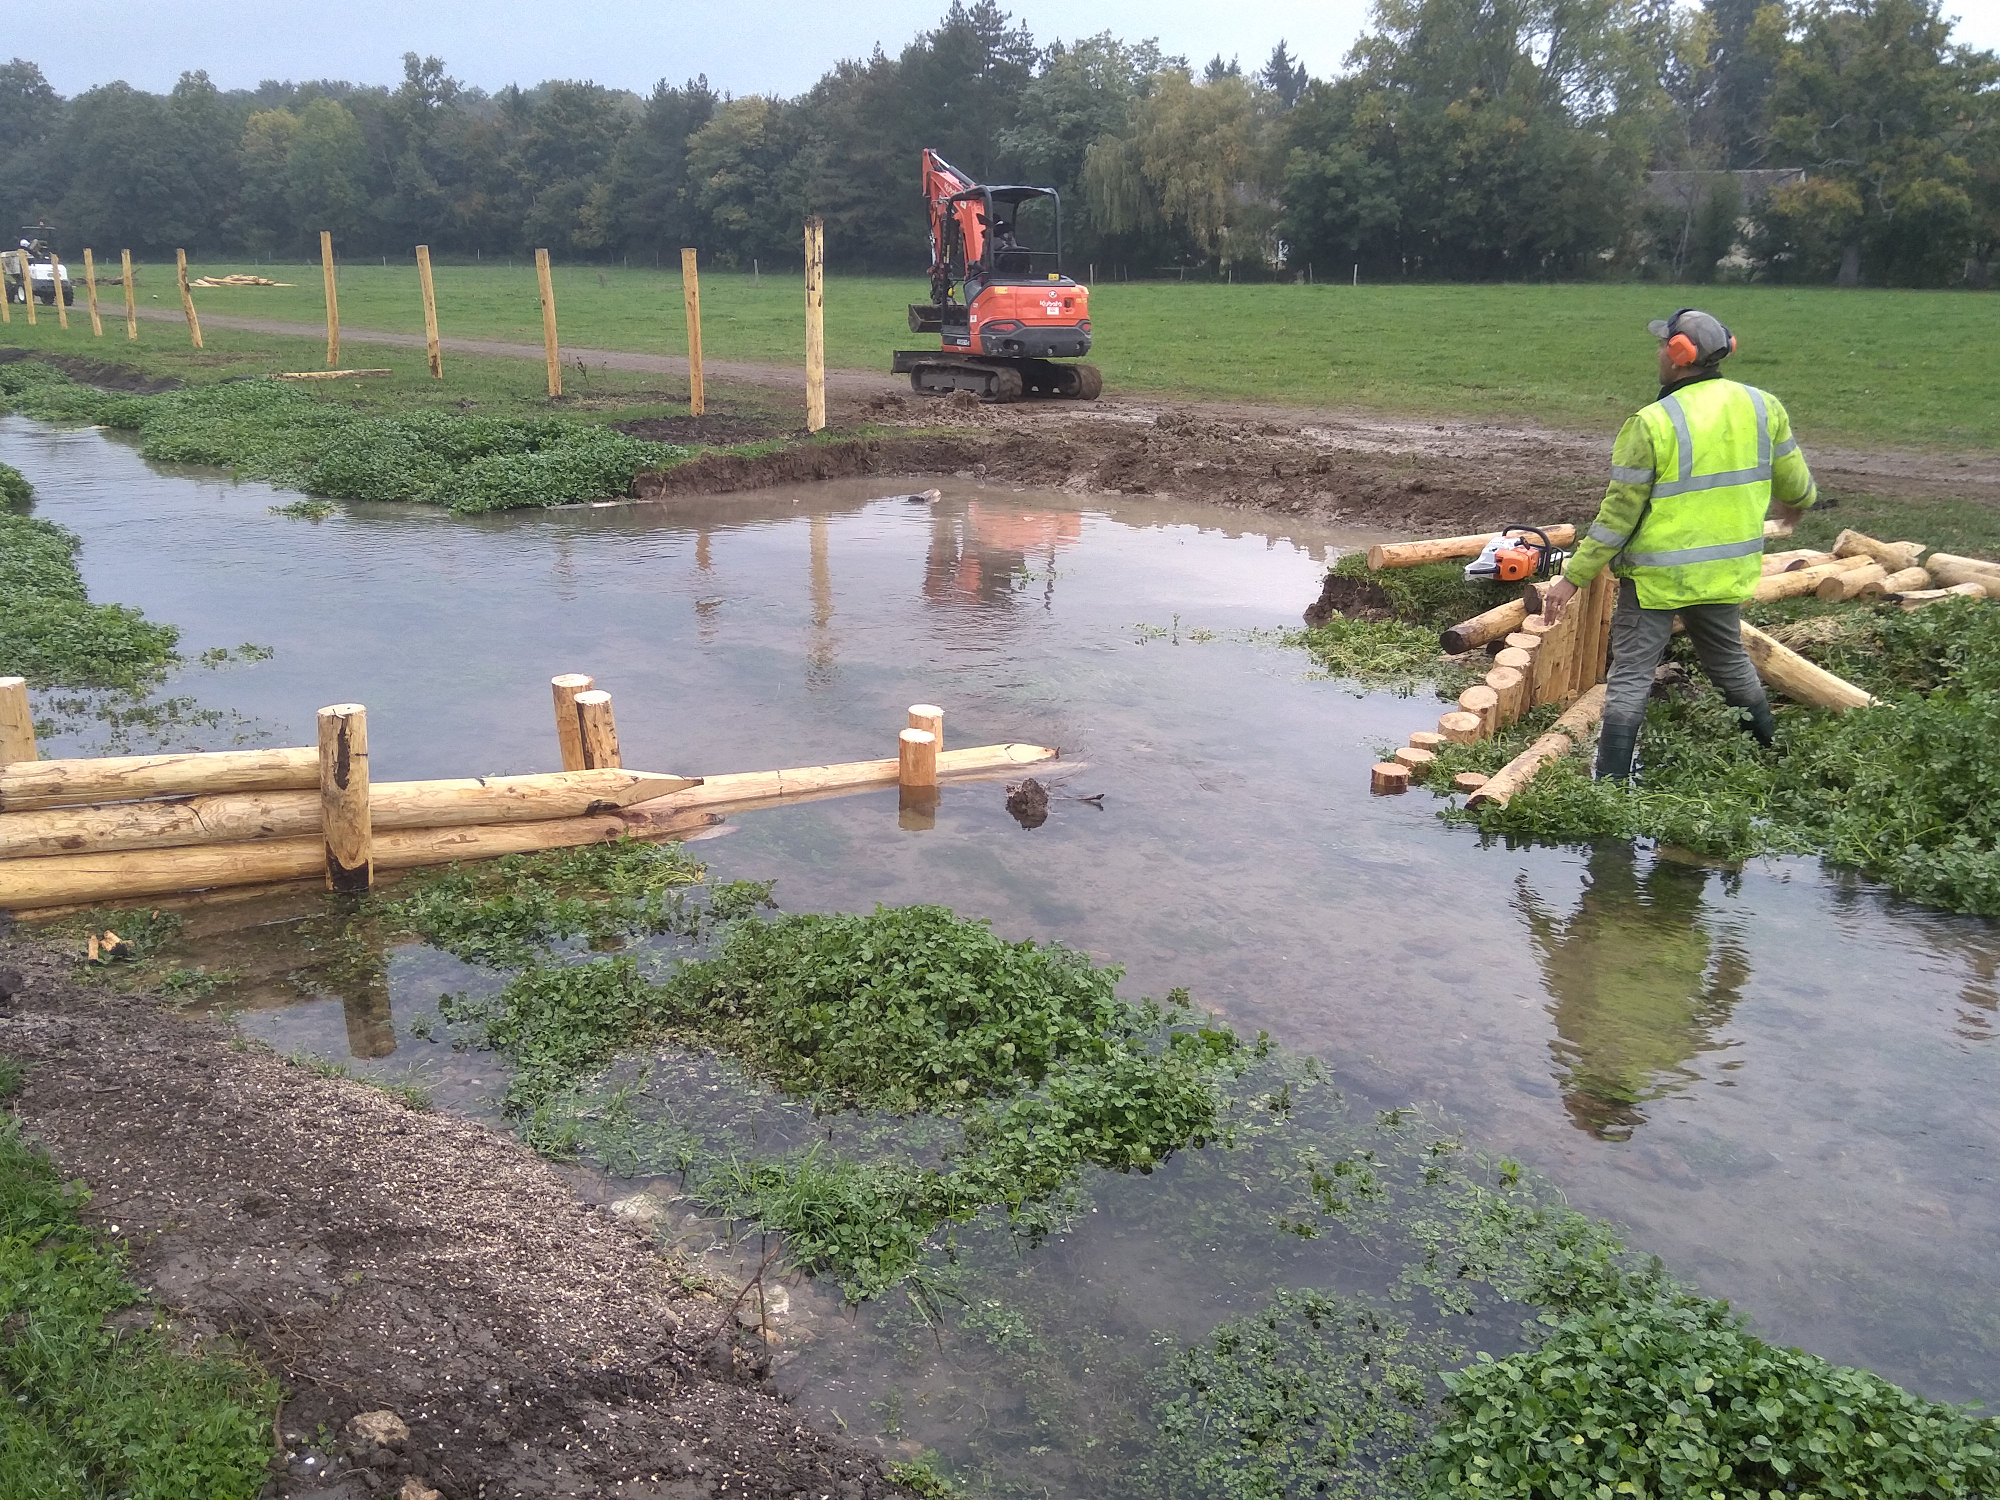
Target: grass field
(1866,368)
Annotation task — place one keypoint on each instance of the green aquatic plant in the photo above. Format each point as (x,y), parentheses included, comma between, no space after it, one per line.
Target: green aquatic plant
(15,491)
(52,634)
(96,1405)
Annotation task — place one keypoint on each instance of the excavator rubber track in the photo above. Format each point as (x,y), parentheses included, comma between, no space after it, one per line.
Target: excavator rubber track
(998,380)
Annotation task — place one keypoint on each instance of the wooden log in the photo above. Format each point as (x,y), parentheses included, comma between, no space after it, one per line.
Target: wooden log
(7,297)
(1947,569)
(181,822)
(597,730)
(1908,581)
(433,350)
(770,788)
(1388,776)
(17,722)
(328,374)
(1510,687)
(1921,597)
(1798,557)
(131,299)
(1801,581)
(1482,702)
(332,299)
(1844,586)
(1460,727)
(1542,684)
(691,304)
(1576,721)
(1418,761)
(1493,625)
(929,718)
(1468,781)
(59,783)
(90,292)
(1892,556)
(569,736)
(815,324)
(551,350)
(1798,679)
(99,878)
(1442,548)
(347,833)
(187,298)
(1426,739)
(916,758)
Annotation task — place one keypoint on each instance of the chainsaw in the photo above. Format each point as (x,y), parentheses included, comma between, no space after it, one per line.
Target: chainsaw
(1516,554)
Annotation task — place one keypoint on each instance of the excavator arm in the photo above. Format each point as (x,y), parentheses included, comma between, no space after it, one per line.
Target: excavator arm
(962,223)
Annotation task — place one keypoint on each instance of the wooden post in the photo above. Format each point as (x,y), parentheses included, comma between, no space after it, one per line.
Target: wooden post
(691,300)
(1541,685)
(332,299)
(7,297)
(569,734)
(1509,684)
(1425,739)
(131,302)
(27,289)
(1484,703)
(929,718)
(1419,761)
(17,723)
(55,285)
(187,297)
(815,324)
(431,346)
(549,347)
(1388,777)
(343,798)
(916,758)
(597,730)
(1460,727)
(90,291)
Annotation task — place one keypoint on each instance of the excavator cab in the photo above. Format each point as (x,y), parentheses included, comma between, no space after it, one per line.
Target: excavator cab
(1002,306)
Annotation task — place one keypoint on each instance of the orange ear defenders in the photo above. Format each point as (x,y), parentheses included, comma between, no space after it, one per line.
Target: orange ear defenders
(1682,352)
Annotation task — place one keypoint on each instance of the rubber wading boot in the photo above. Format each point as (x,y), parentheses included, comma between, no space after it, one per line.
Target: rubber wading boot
(1616,745)
(1760,721)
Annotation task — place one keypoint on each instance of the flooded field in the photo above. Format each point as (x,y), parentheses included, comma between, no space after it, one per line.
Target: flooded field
(1776,1079)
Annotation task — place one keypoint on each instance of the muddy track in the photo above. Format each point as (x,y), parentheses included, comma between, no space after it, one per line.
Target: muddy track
(1463,456)
(376,1258)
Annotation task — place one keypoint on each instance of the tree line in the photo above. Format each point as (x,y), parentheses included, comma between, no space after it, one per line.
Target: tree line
(1464,139)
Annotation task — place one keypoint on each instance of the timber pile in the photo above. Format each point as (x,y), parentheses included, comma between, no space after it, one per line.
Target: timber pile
(84,832)
(237,279)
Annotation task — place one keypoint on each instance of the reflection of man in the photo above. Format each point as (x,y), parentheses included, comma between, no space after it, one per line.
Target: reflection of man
(1637,985)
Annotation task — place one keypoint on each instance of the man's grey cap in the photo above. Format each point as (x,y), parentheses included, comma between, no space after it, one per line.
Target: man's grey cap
(1710,338)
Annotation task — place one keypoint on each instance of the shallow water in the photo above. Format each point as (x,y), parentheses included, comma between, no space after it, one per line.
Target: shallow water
(1780,1080)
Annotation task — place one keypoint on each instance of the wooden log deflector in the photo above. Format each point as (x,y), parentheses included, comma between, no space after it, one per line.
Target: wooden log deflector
(348,835)
(916,759)
(1798,679)
(1418,762)
(1444,548)
(1576,721)
(182,822)
(569,735)
(929,718)
(55,783)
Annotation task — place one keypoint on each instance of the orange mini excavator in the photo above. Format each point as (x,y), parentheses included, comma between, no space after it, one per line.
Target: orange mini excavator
(1016,314)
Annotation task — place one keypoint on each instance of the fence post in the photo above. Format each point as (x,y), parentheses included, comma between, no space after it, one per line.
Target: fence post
(815,324)
(549,347)
(131,306)
(343,798)
(55,285)
(187,297)
(691,296)
(431,346)
(17,723)
(90,290)
(597,730)
(569,734)
(332,300)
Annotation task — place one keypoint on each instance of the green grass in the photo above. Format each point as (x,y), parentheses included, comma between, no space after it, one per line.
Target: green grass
(1854,367)
(88,1411)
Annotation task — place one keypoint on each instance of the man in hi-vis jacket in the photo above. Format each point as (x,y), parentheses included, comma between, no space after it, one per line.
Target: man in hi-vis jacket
(1693,477)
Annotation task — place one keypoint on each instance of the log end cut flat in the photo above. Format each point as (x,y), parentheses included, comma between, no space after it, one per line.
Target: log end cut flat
(1426,739)
(1469,781)
(1460,728)
(1388,776)
(1417,761)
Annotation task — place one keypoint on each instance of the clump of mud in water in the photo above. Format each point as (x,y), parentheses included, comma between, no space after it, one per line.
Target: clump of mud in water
(1028,801)
(1355,598)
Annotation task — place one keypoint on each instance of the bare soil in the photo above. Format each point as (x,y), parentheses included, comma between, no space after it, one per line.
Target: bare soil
(103,374)
(374,1257)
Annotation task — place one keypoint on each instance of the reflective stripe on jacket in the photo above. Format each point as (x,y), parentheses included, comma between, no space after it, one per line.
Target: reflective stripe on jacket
(1692,477)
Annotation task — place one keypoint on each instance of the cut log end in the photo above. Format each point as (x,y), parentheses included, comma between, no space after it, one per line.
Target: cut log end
(1469,781)
(1461,728)
(1426,739)
(1388,776)
(1417,762)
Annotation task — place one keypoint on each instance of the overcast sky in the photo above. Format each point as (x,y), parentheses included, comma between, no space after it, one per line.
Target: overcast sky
(776,46)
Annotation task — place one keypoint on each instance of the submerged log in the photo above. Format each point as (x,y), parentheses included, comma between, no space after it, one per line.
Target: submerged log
(238,816)
(1893,556)
(1444,548)
(1576,721)
(1798,679)
(58,783)
(1494,624)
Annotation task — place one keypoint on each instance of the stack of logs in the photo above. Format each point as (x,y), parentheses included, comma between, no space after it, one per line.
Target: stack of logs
(1861,568)
(80,832)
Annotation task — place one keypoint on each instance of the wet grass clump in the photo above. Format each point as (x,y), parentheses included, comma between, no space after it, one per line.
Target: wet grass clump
(281,433)
(52,634)
(91,1409)
(15,491)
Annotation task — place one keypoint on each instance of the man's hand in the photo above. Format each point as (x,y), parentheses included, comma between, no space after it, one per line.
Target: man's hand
(1785,516)
(1555,599)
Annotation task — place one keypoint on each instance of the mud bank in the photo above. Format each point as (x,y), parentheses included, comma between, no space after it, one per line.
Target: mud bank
(374,1257)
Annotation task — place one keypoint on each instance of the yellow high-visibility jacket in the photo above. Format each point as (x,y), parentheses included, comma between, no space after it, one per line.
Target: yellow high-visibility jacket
(1692,477)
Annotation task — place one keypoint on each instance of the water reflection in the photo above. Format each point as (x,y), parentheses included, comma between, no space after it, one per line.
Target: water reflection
(1639,983)
(990,555)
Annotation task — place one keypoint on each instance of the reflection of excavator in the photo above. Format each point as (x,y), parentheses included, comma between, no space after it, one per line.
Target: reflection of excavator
(1016,314)
(33,266)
